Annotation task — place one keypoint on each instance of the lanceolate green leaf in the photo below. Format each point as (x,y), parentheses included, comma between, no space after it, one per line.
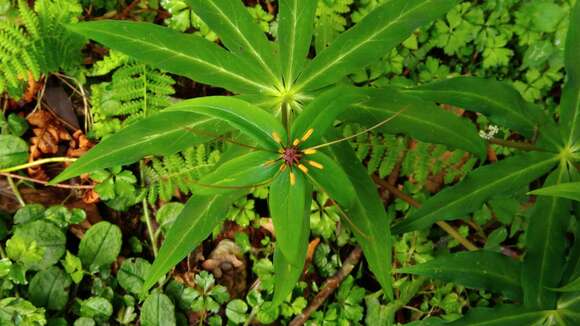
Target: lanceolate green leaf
(332,179)
(164,133)
(381,30)
(569,305)
(507,315)
(248,118)
(287,209)
(479,269)
(247,171)
(573,286)
(287,272)
(240,34)
(569,190)
(570,106)
(182,54)
(323,111)
(546,247)
(480,185)
(295,27)
(573,265)
(367,218)
(196,221)
(417,118)
(499,101)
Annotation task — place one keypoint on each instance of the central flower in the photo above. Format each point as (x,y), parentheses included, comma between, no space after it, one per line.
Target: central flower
(291,156)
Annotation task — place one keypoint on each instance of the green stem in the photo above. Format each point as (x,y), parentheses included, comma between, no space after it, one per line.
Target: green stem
(2,252)
(285,118)
(38,162)
(146,216)
(252,315)
(16,192)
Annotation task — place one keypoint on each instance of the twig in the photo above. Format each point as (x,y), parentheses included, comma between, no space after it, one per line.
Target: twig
(15,191)
(515,144)
(44,183)
(442,224)
(329,287)
(38,162)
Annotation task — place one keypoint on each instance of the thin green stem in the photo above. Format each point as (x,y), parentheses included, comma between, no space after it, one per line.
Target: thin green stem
(146,216)
(16,191)
(38,162)
(2,252)
(285,119)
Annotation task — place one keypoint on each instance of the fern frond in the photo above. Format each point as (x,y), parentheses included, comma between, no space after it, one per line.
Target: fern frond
(167,176)
(38,43)
(136,91)
(419,162)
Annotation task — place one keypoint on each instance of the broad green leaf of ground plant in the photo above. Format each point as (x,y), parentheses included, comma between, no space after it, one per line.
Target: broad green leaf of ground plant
(417,118)
(158,309)
(49,288)
(295,29)
(13,151)
(380,31)
(196,221)
(164,133)
(569,190)
(186,55)
(240,34)
(499,101)
(570,103)
(287,205)
(100,245)
(480,185)
(366,217)
(478,269)
(546,246)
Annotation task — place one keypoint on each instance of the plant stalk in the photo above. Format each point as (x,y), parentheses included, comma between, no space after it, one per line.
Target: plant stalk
(16,191)
(38,162)
(146,216)
(515,144)
(442,224)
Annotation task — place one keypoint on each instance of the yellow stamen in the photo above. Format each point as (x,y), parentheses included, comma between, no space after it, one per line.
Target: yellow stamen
(316,165)
(309,151)
(282,167)
(307,134)
(269,162)
(303,168)
(292,179)
(276,137)
(296,142)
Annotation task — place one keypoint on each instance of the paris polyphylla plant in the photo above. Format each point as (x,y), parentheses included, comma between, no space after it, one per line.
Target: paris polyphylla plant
(277,83)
